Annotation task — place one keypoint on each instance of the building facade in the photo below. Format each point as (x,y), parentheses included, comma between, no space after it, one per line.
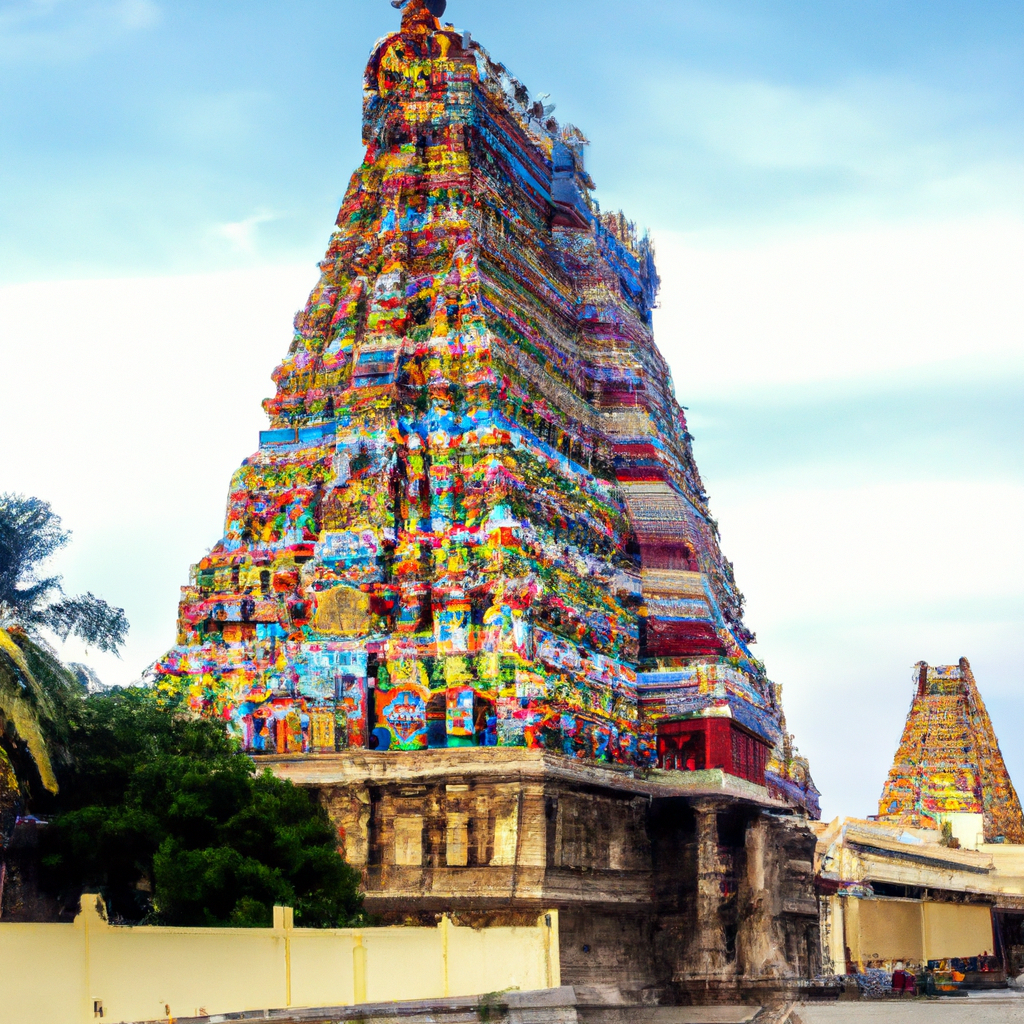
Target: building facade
(469,588)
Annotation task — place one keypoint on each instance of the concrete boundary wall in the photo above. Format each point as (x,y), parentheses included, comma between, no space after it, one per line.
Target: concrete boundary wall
(73,973)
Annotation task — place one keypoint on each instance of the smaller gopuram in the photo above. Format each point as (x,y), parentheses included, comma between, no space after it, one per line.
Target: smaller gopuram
(949,768)
(937,878)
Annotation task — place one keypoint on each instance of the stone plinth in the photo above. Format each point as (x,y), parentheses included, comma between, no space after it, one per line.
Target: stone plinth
(653,873)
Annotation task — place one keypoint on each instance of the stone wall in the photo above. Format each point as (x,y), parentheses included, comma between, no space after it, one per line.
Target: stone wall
(664,894)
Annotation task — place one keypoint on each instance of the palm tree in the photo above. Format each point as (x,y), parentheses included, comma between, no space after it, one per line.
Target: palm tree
(36,689)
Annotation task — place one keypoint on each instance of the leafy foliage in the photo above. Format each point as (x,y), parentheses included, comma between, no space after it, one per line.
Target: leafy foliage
(30,532)
(8,793)
(38,694)
(174,825)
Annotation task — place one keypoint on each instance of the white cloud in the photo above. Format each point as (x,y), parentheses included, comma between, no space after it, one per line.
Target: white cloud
(821,554)
(242,233)
(866,125)
(840,306)
(149,401)
(729,152)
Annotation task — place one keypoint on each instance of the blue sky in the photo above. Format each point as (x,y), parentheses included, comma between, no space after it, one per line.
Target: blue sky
(134,131)
(836,191)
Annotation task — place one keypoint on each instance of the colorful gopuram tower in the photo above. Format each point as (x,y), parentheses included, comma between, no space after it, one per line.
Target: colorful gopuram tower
(469,588)
(948,764)
(475,518)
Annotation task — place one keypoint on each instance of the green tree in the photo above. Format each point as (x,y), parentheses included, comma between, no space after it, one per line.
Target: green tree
(173,824)
(38,693)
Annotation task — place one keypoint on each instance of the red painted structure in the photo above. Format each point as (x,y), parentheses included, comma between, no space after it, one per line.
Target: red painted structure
(693,744)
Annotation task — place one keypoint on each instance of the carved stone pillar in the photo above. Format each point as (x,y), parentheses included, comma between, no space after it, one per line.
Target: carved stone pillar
(759,953)
(707,954)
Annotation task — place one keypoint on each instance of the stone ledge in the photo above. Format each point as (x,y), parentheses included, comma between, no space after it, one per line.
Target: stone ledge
(565,1005)
(542,1006)
(512,764)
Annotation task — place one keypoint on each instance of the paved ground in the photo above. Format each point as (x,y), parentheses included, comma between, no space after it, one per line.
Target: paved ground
(982,1008)
(1000,1008)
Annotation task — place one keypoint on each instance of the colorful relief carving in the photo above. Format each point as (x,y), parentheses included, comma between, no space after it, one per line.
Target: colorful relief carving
(475,517)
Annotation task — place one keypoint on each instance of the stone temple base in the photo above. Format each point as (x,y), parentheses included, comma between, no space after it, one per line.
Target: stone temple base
(671,887)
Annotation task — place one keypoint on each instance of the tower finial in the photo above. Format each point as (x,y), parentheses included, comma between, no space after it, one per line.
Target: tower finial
(435,7)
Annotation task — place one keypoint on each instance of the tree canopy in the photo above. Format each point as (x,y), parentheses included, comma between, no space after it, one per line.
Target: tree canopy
(174,825)
(30,532)
(37,691)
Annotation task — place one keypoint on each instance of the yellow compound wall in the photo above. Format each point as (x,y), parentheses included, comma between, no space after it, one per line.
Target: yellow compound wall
(913,930)
(67,973)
